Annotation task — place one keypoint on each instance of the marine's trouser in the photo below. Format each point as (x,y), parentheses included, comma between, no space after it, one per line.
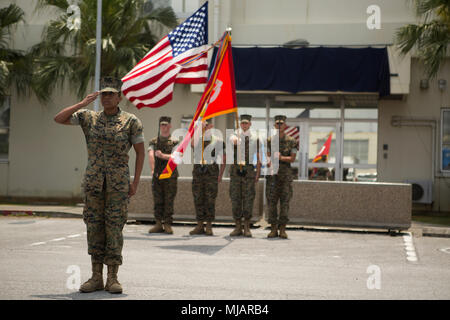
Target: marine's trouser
(164,192)
(278,188)
(105,214)
(204,191)
(242,191)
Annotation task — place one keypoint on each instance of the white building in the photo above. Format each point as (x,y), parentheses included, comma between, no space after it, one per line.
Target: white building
(404,136)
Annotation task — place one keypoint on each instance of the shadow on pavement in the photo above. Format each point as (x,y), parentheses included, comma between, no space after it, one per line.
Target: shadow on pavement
(205,249)
(154,238)
(98,295)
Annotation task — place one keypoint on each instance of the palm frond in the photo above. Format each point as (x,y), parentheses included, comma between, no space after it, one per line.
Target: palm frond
(430,39)
(126,37)
(10,58)
(11,15)
(51,72)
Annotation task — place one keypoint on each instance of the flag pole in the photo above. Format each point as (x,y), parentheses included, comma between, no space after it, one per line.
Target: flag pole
(98,52)
(203,141)
(228,30)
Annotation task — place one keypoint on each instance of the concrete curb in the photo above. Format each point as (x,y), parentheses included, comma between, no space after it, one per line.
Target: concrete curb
(417,229)
(49,214)
(429,231)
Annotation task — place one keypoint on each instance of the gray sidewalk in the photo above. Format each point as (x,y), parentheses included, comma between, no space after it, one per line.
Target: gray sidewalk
(418,229)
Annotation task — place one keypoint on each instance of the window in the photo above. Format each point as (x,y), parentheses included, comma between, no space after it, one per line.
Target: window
(445,140)
(360,144)
(4,130)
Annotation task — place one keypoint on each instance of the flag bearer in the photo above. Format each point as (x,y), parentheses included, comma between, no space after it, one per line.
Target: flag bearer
(206,175)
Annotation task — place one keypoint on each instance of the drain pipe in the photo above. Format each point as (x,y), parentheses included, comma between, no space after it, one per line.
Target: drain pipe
(398,121)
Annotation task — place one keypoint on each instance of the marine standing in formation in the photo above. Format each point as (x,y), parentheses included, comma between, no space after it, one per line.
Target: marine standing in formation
(107,188)
(165,190)
(244,176)
(279,184)
(206,176)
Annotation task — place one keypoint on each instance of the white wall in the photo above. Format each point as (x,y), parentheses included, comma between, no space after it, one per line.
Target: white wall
(410,148)
(321,22)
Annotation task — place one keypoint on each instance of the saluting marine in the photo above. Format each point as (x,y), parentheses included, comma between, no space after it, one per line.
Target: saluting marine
(164,190)
(109,137)
(279,185)
(244,176)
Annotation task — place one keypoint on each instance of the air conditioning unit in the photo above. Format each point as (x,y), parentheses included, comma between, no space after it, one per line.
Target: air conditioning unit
(422,191)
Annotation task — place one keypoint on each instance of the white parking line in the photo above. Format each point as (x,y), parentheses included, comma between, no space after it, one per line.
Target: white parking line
(37,243)
(58,239)
(409,247)
(74,235)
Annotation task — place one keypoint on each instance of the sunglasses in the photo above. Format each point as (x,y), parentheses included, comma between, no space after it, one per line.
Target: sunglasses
(108,93)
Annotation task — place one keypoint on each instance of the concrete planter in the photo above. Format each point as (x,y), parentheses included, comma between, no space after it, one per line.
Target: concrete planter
(320,203)
(141,205)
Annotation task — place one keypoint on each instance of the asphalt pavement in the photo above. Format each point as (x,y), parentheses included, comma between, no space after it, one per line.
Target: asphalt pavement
(45,258)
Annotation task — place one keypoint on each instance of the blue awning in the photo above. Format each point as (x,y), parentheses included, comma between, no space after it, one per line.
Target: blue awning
(312,69)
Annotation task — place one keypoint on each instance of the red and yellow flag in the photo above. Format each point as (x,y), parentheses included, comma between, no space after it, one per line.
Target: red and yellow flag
(325,149)
(218,98)
(223,96)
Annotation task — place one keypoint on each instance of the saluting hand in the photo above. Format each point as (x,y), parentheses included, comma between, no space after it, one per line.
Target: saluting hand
(90,97)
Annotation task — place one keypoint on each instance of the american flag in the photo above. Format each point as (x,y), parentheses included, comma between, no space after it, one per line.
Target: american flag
(150,83)
(294,132)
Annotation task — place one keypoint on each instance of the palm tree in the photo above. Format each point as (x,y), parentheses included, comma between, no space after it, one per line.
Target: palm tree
(66,54)
(14,64)
(431,37)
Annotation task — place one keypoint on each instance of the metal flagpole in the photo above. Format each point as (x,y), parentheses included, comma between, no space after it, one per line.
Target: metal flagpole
(98,51)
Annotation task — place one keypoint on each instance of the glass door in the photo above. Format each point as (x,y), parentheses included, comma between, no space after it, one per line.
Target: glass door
(319,149)
(324,151)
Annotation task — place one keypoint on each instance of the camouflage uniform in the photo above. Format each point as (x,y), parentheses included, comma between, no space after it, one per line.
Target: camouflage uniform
(165,190)
(242,183)
(205,183)
(107,179)
(279,186)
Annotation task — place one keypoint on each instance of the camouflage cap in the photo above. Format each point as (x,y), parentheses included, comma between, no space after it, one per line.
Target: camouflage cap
(164,120)
(246,118)
(280,119)
(110,84)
